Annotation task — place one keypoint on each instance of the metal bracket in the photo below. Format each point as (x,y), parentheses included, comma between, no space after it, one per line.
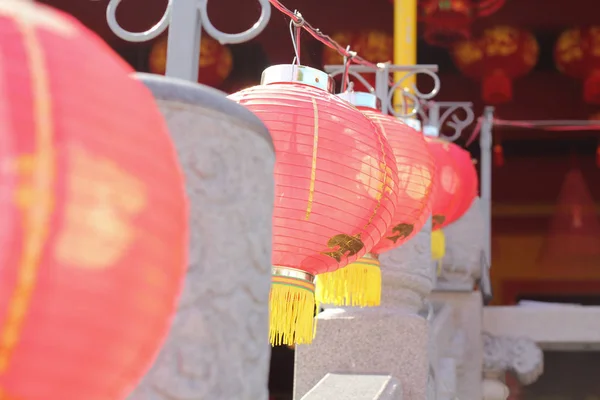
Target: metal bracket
(185,20)
(412,98)
(455,115)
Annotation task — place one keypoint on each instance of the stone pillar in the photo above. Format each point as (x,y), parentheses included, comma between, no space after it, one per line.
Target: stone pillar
(218,345)
(461,267)
(518,355)
(466,345)
(465,242)
(391,339)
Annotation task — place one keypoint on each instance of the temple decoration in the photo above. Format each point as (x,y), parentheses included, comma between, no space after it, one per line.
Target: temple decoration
(501,55)
(574,235)
(449,21)
(335,188)
(215,65)
(94,250)
(577,54)
(455,187)
(374,46)
(359,283)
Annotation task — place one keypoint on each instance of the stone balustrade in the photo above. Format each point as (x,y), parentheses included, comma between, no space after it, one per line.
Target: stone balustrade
(417,345)
(218,346)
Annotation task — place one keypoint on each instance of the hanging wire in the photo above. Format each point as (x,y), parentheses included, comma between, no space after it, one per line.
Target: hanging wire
(295,34)
(346,75)
(296,18)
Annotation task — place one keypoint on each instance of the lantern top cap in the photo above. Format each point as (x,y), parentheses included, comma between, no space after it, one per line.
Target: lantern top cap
(292,73)
(361,99)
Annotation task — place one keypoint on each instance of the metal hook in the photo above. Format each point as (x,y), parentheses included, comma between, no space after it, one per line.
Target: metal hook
(296,35)
(347,62)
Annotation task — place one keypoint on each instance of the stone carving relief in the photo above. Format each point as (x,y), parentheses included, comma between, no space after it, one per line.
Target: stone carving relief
(218,347)
(407,273)
(464,242)
(520,355)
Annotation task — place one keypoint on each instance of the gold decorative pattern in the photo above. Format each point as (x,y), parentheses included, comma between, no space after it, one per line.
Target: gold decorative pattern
(36,186)
(501,41)
(102,200)
(467,53)
(402,231)
(344,245)
(438,220)
(313,168)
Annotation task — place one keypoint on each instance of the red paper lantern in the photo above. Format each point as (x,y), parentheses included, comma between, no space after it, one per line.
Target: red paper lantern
(216,61)
(469,181)
(95,255)
(416,168)
(335,178)
(455,183)
(577,54)
(449,21)
(497,58)
(373,46)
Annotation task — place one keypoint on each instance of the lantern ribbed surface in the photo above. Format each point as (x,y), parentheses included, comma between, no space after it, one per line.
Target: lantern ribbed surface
(416,169)
(468,179)
(335,180)
(93,262)
(455,187)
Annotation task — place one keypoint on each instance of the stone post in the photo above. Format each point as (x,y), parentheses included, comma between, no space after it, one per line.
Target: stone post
(218,345)
(465,242)
(518,355)
(461,267)
(390,340)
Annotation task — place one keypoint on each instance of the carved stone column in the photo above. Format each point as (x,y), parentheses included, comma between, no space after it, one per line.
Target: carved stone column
(390,339)
(465,241)
(218,345)
(518,355)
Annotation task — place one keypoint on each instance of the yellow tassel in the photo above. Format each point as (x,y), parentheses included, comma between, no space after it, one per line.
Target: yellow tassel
(291,311)
(357,284)
(438,245)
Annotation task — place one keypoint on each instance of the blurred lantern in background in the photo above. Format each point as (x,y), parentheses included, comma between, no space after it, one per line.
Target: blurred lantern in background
(216,61)
(335,182)
(95,256)
(449,21)
(496,59)
(373,46)
(577,54)
(455,187)
(359,283)
(446,21)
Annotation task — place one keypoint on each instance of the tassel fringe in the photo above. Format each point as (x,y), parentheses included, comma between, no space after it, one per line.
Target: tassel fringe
(291,311)
(357,284)
(438,245)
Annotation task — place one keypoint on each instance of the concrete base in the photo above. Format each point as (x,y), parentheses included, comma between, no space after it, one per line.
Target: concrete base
(356,387)
(358,341)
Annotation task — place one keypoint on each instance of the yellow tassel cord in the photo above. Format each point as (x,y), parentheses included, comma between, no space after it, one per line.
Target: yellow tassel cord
(438,248)
(357,284)
(291,311)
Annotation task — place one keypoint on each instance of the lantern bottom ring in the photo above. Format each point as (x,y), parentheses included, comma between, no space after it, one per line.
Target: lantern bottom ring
(288,272)
(291,306)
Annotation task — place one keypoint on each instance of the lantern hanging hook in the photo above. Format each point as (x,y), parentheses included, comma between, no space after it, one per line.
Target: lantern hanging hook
(296,24)
(348,56)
